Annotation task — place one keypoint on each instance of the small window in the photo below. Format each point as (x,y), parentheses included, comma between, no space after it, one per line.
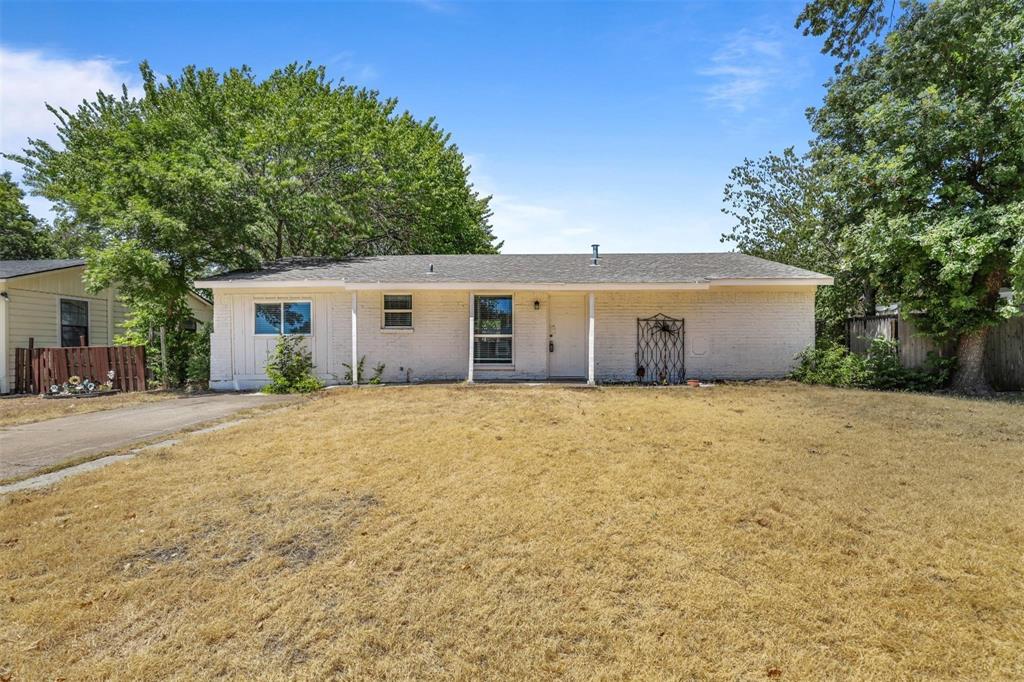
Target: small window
(492,330)
(268,318)
(298,318)
(398,311)
(284,318)
(74,323)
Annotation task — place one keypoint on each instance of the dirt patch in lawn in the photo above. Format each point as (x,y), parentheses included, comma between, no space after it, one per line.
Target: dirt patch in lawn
(740,532)
(30,409)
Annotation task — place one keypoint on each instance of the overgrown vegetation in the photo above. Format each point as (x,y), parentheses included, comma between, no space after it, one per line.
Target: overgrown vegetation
(910,192)
(197,370)
(833,364)
(375,378)
(290,367)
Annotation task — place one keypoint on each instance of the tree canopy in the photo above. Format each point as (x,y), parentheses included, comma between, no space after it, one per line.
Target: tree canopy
(920,143)
(226,170)
(22,237)
(212,170)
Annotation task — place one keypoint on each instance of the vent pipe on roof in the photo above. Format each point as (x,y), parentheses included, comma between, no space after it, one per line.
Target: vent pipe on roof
(594,258)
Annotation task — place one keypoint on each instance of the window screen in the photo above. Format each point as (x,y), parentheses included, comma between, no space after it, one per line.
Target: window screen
(74,323)
(397,311)
(298,318)
(492,330)
(268,318)
(284,318)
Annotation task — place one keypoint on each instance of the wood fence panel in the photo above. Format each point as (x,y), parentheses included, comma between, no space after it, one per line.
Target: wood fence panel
(1004,349)
(915,347)
(1004,355)
(36,369)
(99,361)
(22,370)
(139,368)
(861,331)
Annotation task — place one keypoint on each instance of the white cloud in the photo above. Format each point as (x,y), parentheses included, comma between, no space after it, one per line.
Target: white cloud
(745,68)
(529,225)
(354,73)
(31,79)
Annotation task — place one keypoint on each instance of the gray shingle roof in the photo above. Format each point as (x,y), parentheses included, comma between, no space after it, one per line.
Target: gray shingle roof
(614,268)
(20,268)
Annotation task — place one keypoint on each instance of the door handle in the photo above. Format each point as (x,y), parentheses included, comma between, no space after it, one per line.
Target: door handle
(551,346)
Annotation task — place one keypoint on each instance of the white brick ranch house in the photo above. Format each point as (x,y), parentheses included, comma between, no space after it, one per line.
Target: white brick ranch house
(620,317)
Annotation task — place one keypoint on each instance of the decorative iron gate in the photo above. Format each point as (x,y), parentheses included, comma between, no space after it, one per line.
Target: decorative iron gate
(659,350)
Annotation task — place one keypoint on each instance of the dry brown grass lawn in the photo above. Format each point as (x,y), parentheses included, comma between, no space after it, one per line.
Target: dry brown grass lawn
(739,532)
(30,409)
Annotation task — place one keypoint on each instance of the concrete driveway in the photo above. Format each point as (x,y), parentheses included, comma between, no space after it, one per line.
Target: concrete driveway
(29,447)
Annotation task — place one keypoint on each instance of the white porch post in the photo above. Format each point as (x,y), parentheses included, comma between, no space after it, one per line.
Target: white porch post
(4,388)
(590,339)
(355,338)
(472,315)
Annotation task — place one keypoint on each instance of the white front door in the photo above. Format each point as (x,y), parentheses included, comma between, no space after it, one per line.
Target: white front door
(567,336)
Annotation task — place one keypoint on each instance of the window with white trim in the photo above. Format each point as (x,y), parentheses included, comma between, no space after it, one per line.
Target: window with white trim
(291,318)
(74,322)
(492,330)
(397,311)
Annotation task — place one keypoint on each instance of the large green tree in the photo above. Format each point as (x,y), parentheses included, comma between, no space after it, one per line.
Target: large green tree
(786,211)
(22,236)
(220,170)
(920,141)
(926,134)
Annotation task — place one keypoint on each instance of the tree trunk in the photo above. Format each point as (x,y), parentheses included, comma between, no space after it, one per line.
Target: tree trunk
(163,356)
(969,378)
(280,239)
(870,295)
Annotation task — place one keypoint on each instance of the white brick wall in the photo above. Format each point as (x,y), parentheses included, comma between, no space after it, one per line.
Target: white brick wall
(731,333)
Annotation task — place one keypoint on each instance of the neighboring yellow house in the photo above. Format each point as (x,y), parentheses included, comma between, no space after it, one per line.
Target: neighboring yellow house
(47,301)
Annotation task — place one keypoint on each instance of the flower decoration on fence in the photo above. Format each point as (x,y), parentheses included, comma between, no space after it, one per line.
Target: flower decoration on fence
(76,385)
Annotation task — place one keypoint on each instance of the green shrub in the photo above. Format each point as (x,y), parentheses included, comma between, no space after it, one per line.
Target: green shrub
(359,371)
(197,369)
(290,368)
(880,368)
(378,373)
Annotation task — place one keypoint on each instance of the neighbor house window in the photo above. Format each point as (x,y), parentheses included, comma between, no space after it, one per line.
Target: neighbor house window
(398,311)
(492,330)
(284,318)
(74,323)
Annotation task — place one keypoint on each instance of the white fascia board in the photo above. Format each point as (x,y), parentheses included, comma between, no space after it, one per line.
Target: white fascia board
(507,286)
(434,286)
(272,284)
(770,282)
(523,286)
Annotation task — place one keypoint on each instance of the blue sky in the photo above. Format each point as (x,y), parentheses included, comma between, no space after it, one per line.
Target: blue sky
(588,122)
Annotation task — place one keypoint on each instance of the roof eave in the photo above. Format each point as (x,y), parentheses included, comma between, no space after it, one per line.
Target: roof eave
(41,272)
(537,286)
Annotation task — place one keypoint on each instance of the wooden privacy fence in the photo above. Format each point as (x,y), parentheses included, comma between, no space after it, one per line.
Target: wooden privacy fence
(1004,348)
(36,369)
